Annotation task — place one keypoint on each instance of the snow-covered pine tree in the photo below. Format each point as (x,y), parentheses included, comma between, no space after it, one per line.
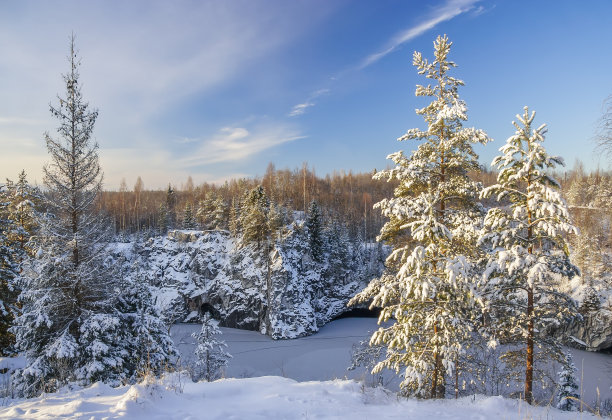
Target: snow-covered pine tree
(315,231)
(8,273)
(528,250)
(66,285)
(219,219)
(254,216)
(427,291)
(205,211)
(569,400)
(210,352)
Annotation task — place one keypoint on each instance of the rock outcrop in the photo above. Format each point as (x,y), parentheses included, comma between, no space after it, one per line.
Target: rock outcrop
(276,288)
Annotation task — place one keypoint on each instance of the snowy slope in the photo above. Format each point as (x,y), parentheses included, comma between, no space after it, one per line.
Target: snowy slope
(270,397)
(252,395)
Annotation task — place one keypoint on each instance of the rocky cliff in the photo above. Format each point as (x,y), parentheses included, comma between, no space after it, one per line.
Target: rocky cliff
(276,288)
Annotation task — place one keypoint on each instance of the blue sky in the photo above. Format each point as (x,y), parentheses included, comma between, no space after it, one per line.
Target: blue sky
(219,89)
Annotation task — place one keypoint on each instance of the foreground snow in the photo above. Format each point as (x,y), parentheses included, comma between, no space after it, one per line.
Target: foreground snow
(268,397)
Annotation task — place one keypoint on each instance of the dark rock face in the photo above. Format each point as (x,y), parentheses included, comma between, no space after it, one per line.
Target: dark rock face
(593,332)
(276,289)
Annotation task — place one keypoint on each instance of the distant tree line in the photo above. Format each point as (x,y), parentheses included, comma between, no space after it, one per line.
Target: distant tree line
(347,197)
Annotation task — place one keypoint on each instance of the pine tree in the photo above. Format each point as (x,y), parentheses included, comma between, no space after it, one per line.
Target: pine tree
(205,211)
(219,218)
(315,232)
(529,253)
(428,286)
(569,400)
(210,350)
(254,216)
(67,285)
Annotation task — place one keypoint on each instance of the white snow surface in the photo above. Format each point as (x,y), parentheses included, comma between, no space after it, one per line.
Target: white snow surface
(304,385)
(266,397)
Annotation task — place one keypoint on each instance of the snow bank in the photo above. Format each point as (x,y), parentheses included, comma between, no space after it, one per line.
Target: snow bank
(269,397)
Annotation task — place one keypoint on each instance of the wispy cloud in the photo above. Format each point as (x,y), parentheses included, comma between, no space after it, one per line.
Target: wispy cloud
(443,13)
(447,11)
(239,143)
(299,109)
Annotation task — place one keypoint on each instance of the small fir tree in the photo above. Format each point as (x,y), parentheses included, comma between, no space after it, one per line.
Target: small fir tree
(528,254)
(219,218)
(315,231)
(569,400)
(210,352)
(146,337)
(171,207)
(163,218)
(428,291)
(188,219)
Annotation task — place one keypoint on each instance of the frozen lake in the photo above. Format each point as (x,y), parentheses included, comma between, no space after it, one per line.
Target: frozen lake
(326,355)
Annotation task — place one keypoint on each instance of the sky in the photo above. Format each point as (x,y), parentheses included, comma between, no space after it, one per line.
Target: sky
(219,89)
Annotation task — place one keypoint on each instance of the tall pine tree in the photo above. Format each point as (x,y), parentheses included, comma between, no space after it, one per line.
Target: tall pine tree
(427,291)
(529,254)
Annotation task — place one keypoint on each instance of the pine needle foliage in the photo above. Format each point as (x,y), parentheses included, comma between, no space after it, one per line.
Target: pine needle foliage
(427,293)
(529,254)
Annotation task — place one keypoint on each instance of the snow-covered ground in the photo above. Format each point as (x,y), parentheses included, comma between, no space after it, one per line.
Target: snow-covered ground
(266,398)
(290,379)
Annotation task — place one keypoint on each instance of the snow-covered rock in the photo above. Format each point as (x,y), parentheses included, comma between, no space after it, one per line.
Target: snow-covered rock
(276,288)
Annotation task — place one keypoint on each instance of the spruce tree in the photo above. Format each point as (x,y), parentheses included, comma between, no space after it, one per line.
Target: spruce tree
(315,232)
(427,290)
(163,218)
(150,349)
(66,286)
(529,254)
(8,275)
(171,207)
(210,352)
(188,219)
(569,400)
